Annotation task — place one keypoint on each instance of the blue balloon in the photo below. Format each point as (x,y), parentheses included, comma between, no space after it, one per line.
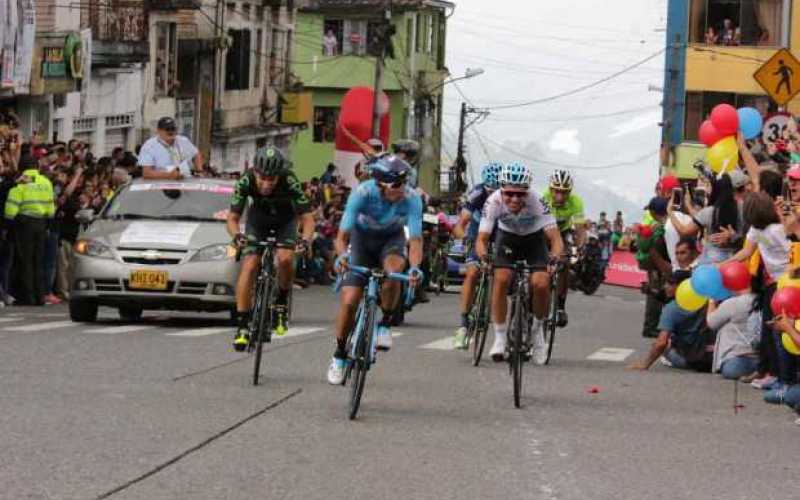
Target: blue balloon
(707,281)
(750,122)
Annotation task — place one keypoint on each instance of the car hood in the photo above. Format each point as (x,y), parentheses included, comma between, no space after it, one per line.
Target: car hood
(154,234)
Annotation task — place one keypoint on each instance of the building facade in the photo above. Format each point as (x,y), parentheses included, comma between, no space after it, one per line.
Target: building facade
(334,50)
(713,49)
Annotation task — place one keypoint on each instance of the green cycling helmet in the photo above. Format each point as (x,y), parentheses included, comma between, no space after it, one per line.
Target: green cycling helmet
(270,161)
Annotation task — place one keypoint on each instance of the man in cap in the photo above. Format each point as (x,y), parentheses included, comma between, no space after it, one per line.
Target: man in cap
(168,155)
(653,257)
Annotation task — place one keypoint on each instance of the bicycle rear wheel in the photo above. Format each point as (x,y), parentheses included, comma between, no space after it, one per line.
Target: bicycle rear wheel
(515,358)
(263,325)
(361,361)
(550,325)
(480,321)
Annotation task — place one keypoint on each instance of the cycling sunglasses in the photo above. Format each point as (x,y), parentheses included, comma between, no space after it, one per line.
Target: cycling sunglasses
(514,194)
(394,185)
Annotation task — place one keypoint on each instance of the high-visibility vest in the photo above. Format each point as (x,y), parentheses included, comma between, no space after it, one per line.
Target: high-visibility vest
(32,199)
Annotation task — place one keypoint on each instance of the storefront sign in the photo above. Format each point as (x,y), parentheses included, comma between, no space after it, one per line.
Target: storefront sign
(54,64)
(73,55)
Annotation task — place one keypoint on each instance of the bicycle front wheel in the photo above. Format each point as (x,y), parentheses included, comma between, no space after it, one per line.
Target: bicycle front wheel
(263,325)
(515,358)
(361,361)
(550,325)
(480,321)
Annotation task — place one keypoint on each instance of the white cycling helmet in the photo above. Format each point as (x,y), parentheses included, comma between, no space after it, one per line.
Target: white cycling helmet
(561,180)
(515,174)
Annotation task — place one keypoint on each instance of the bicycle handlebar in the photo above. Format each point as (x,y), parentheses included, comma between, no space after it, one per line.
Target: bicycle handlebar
(365,271)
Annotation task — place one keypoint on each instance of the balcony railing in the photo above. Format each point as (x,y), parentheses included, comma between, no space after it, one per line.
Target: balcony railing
(116,20)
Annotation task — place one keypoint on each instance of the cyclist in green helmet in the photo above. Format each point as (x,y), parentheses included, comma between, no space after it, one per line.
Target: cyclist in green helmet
(278,204)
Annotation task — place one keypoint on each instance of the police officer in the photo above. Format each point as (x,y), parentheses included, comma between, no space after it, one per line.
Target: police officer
(29,207)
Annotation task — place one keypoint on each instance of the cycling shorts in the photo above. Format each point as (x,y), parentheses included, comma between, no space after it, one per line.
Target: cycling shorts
(511,248)
(370,250)
(261,228)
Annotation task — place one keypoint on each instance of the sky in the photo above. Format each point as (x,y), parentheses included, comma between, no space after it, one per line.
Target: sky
(532,50)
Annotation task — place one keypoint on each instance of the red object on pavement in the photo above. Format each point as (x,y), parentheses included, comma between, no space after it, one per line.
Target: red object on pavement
(356,115)
(709,135)
(593,390)
(623,270)
(725,119)
(787,300)
(735,276)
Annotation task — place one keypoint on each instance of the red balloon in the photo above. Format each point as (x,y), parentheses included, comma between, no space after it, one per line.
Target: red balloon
(786,300)
(645,231)
(709,135)
(735,276)
(725,119)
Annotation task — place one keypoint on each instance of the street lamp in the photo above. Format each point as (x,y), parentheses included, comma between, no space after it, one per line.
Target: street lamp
(469,73)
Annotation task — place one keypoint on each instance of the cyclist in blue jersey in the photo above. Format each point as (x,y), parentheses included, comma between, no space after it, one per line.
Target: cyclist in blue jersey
(467,230)
(373,226)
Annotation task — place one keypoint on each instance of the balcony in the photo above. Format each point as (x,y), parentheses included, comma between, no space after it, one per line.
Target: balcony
(119,31)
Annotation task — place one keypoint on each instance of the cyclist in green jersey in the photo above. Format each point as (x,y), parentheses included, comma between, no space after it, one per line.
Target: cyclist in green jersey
(567,208)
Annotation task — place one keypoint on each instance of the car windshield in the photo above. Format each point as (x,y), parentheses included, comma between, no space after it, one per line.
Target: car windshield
(171,201)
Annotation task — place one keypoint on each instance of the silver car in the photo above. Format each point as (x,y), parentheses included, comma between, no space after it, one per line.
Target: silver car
(156,245)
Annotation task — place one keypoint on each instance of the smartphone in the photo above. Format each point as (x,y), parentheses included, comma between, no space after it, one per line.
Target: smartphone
(699,197)
(786,196)
(677,198)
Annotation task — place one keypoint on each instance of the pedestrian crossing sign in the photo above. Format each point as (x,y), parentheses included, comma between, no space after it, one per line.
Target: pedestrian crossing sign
(780,76)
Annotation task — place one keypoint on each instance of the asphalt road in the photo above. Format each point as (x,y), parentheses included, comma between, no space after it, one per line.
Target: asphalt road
(164,409)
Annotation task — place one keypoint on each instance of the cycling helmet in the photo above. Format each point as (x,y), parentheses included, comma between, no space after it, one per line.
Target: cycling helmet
(389,169)
(515,174)
(408,147)
(270,161)
(561,180)
(490,175)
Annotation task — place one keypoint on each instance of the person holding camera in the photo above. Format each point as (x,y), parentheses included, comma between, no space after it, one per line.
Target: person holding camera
(168,155)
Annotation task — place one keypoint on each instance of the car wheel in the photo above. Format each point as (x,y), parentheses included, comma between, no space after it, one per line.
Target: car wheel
(130,313)
(82,311)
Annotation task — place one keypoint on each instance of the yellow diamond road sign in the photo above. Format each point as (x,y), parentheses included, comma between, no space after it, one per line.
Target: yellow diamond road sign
(780,77)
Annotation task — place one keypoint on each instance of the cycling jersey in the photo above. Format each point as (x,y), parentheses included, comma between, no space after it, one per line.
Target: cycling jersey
(568,214)
(476,199)
(368,211)
(534,215)
(285,202)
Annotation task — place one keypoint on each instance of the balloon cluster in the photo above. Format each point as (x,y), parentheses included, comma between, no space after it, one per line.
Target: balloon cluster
(719,134)
(787,301)
(711,282)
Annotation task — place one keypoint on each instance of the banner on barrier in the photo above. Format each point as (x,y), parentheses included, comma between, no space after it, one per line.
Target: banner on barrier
(623,270)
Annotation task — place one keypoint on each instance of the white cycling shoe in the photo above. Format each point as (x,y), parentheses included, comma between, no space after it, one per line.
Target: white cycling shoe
(539,350)
(336,371)
(498,350)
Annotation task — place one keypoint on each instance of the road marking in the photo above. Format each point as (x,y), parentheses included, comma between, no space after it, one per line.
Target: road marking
(200,332)
(10,320)
(615,354)
(445,344)
(306,330)
(114,330)
(52,325)
(397,334)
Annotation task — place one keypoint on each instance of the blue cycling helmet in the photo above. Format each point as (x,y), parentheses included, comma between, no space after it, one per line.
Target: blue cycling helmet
(389,169)
(515,174)
(490,175)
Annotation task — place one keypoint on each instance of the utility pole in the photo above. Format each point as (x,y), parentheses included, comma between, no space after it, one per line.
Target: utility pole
(385,37)
(669,106)
(460,167)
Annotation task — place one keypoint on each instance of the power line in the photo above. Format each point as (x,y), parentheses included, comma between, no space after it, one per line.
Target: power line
(581,88)
(628,111)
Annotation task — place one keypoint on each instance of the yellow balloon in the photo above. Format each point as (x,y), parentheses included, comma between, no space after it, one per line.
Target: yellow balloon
(724,155)
(787,281)
(687,298)
(788,343)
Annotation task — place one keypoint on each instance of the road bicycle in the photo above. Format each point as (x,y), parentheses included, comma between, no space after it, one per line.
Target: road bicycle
(519,330)
(551,321)
(478,325)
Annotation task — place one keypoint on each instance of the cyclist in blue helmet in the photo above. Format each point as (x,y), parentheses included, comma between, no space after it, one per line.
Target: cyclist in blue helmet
(373,227)
(525,229)
(467,230)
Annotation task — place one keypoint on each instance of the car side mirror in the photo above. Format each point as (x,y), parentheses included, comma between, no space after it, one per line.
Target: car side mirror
(85,216)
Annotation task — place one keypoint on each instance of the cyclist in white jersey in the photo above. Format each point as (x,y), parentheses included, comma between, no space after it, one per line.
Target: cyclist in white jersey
(525,230)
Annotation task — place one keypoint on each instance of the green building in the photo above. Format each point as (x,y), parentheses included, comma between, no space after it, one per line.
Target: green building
(333,51)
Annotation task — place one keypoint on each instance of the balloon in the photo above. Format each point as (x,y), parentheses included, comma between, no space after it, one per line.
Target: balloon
(707,281)
(787,300)
(645,231)
(709,135)
(687,298)
(750,122)
(725,119)
(724,155)
(735,276)
(788,342)
(787,280)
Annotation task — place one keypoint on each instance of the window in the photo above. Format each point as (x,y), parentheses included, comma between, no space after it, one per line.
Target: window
(259,12)
(419,34)
(237,61)
(325,119)
(428,33)
(440,41)
(349,36)
(374,45)
(245,11)
(700,104)
(332,33)
(409,36)
(166,58)
(277,57)
(434,36)
(259,55)
(740,22)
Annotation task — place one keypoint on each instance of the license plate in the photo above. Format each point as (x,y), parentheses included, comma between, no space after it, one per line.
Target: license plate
(148,280)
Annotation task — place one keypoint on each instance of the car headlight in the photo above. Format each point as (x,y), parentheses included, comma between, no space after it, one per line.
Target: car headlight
(214,252)
(93,248)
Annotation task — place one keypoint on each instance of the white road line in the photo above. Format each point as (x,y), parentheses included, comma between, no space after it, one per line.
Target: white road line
(296,332)
(114,330)
(615,354)
(445,344)
(200,332)
(10,320)
(397,334)
(52,325)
